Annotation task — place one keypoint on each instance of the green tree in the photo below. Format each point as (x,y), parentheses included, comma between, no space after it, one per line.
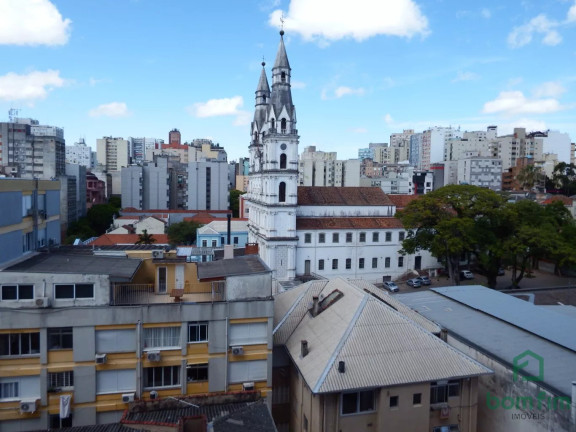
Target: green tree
(100,217)
(235,202)
(145,238)
(115,201)
(531,176)
(564,178)
(79,229)
(183,233)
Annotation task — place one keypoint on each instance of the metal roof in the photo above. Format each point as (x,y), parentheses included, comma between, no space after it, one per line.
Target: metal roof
(243,265)
(379,345)
(499,339)
(118,268)
(221,227)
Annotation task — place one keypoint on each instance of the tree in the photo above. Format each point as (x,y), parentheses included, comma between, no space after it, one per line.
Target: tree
(145,238)
(564,178)
(79,229)
(235,202)
(115,201)
(451,222)
(183,233)
(100,217)
(531,176)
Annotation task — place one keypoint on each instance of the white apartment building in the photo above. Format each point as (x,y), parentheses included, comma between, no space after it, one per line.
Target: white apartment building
(519,145)
(475,143)
(80,154)
(318,168)
(480,171)
(113,153)
(208,185)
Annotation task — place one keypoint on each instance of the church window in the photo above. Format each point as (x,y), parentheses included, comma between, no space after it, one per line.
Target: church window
(335,237)
(387,262)
(283,161)
(362,237)
(320,264)
(264,98)
(283,76)
(375,237)
(348,263)
(400,261)
(272,123)
(388,236)
(361,263)
(282,192)
(307,238)
(374,262)
(321,238)
(348,237)
(334,264)
(283,125)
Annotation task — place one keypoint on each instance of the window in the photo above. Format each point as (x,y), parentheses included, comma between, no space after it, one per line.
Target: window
(9,390)
(400,261)
(198,332)
(321,264)
(118,340)
(357,402)
(362,237)
(161,376)
(321,238)
(401,235)
(115,381)
(361,263)
(375,236)
(18,344)
(388,236)
(374,263)
(283,78)
(247,371)
(283,161)
(204,243)
(235,240)
(348,263)
(58,423)
(348,237)
(283,125)
(197,372)
(248,334)
(417,399)
(162,337)
(307,238)
(282,192)
(387,262)
(73,291)
(60,380)
(334,264)
(335,238)
(17,292)
(393,401)
(441,390)
(60,338)
(214,242)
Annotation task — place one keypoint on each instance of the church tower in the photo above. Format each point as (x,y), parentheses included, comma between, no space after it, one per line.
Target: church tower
(273,181)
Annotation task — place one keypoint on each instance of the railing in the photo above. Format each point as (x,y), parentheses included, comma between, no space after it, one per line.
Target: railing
(123,294)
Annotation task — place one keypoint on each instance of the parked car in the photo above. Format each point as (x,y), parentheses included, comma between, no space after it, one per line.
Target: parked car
(414,283)
(391,286)
(424,280)
(466,274)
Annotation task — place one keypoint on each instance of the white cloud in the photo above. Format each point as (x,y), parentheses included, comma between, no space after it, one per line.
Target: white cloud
(549,89)
(217,107)
(529,124)
(486,13)
(327,20)
(466,76)
(522,35)
(514,102)
(112,109)
(571,15)
(30,87)
(243,118)
(359,130)
(32,22)
(388,119)
(297,84)
(343,91)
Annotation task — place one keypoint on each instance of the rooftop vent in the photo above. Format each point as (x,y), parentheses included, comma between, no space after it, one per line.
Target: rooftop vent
(304,348)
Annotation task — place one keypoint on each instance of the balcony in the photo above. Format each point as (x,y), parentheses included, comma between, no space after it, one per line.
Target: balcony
(124,294)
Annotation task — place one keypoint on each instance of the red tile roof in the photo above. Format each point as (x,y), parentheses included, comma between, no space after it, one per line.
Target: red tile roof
(347,223)
(342,196)
(564,199)
(401,201)
(115,239)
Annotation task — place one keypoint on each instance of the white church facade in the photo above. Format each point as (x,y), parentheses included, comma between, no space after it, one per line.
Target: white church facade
(349,232)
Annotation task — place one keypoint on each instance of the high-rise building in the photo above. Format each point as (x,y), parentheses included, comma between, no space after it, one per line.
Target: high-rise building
(147,186)
(174,138)
(318,168)
(518,145)
(208,185)
(80,153)
(113,153)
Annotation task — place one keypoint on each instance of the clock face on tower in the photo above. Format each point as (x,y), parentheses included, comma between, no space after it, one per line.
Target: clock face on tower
(283,146)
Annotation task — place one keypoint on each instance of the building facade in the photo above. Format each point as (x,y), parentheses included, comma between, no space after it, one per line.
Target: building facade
(480,171)
(113,153)
(79,154)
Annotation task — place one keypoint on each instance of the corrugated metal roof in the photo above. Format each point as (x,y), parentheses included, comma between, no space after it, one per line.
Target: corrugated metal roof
(499,339)
(221,226)
(541,322)
(380,346)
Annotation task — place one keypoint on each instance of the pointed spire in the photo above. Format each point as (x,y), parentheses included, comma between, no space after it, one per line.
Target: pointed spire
(263,83)
(281,57)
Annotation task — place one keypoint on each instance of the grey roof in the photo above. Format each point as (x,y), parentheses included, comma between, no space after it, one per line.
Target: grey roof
(379,345)
(243,265)
(118,268)
(488,329)
(281,57)
(255,417)
(173,415)
(219,227)
(263,83)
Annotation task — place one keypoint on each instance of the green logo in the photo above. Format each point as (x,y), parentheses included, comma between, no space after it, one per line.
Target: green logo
(522,360)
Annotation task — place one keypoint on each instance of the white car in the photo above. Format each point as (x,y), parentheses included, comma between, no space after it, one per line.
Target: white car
(391,286)
(466,274)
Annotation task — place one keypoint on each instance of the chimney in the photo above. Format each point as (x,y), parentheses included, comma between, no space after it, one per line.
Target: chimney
(314,306)
(341,366)
(304,348)
(444,334)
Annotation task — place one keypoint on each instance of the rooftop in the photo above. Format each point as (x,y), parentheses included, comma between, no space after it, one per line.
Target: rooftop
(304,223)
(242,265)
(342,196)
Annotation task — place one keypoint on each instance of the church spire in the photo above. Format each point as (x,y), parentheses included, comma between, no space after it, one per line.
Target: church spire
(281,57)
(281,94)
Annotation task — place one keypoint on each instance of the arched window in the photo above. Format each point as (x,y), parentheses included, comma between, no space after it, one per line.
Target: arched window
(282,192)
(255,137)
(283,76)
(272,123)
(283,125)
(283,161)
(264,98)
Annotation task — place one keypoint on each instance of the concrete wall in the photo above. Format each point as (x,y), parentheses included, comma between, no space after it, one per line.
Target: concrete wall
(249,286)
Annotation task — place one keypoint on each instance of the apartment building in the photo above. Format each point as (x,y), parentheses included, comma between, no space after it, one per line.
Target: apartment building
(318,168)
(103,331)
(80,153)
(113,153)
(481,171)
(30,216)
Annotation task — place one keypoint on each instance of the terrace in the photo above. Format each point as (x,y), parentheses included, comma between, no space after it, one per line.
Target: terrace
(123,294)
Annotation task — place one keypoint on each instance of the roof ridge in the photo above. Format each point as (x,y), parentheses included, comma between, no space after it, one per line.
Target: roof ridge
(342,341)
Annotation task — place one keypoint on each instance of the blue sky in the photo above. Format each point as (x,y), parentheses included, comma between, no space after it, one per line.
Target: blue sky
(360,70)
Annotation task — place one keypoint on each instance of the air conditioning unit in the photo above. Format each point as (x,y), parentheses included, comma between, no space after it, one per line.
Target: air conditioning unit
(248,386)
(153,395)
(237,350)
(101,358)
(42,302)
(158,254)
(153,356)
(28,406)
(127,397)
